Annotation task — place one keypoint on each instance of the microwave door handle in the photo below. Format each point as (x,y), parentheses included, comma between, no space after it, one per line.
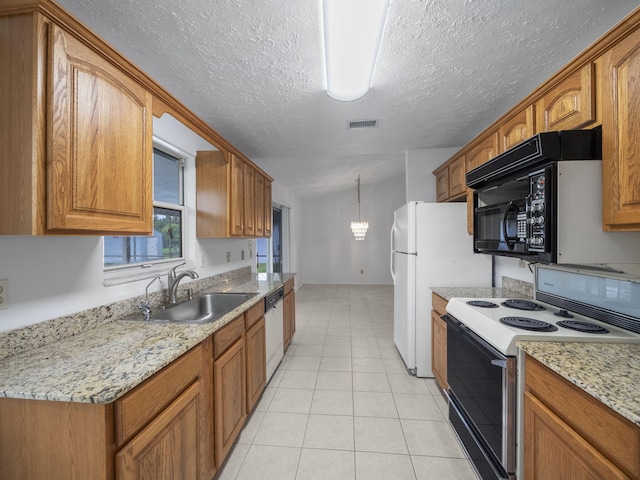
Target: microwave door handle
(508,240)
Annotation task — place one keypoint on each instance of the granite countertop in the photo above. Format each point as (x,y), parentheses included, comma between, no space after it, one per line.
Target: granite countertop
(102,364)
(609,372)
(478,292)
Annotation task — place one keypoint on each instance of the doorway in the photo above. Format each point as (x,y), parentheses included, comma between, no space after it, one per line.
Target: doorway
(270,254)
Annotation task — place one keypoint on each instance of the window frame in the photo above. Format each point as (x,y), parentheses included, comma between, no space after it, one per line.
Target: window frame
(118,274)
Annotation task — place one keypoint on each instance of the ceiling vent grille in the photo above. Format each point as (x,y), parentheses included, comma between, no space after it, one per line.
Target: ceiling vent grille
(362,124)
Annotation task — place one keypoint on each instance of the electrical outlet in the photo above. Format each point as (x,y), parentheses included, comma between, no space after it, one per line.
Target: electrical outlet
(361,272)
(241,254)
(250,253)
(228,257)
(522,263)
(4,294)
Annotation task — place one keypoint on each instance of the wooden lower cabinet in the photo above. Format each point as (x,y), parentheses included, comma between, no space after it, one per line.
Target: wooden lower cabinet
(229,403)
(169,447)
(255,340)
(289,313)
(569,435)
(439,340)
(161,429)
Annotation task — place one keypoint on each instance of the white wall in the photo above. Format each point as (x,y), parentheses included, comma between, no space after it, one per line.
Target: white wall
(510,267)
(54,276)
(329,252)
(420,164)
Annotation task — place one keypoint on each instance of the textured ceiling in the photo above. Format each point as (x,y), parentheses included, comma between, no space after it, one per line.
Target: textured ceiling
(254,71)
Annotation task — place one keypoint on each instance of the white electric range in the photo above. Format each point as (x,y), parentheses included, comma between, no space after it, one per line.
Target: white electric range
(503,321)
(485,373)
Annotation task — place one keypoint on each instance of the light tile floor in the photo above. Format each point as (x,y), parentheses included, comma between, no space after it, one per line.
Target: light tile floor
(341,405)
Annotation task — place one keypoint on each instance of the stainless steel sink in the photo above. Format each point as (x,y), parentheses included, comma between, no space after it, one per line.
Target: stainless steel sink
(203,309)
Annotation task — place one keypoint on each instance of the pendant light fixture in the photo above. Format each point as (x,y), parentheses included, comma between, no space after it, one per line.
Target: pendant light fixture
(352,33)
(359,228)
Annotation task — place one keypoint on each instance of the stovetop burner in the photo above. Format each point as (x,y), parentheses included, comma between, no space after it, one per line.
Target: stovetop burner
(522,304)
(528,324)
(482,303)
(586,327)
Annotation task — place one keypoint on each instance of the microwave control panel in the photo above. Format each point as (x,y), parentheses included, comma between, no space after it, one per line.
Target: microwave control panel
(537,212)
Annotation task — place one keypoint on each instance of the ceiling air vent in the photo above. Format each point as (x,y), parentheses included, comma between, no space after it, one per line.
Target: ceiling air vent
(362,124)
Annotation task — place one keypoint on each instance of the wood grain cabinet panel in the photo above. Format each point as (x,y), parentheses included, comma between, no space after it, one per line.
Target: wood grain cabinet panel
(570,104)
(621,135)
(569,434)
(259,205)
(481,153)
(255,340)
(77,136)
(439,340)
(289,317)
(169,446)
(442,185)
(229,400)
(517,128)
(231,197)
(457,182)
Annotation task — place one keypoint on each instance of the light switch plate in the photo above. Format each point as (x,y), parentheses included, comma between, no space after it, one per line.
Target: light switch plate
(4,294)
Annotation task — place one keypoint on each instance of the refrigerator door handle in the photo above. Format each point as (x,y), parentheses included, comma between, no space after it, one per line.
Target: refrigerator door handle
(391,263)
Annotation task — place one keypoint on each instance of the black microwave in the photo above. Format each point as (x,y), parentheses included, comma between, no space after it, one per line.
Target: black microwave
(527,201)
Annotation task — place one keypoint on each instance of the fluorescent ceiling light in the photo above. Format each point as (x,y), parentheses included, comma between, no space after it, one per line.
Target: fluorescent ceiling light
(352,33)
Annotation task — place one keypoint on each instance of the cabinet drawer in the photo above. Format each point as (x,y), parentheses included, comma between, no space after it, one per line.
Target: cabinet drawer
(227,336)
(254,314)
(614,436)
(438,304)
(134,410)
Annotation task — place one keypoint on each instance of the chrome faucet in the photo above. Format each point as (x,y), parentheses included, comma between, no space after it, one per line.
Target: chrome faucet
(173,279)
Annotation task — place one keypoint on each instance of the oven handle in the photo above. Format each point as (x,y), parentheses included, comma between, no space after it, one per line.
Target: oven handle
(466,331)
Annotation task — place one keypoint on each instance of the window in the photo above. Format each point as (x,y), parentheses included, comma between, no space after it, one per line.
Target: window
(166,243)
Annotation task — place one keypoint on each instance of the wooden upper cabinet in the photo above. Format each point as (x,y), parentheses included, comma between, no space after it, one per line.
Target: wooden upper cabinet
(267,208)
(517,128)
(259,205)
(481,153)
(236,200)
(621,135)
(76,135)
(450,181)
(230,197)
(249,201)
(570,104)
(457,183)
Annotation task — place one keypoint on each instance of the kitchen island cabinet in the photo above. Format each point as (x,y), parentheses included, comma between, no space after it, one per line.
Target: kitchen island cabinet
(76,133)
(569,434)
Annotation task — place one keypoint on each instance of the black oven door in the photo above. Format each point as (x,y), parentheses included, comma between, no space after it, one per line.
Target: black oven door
(501,228)
(482,400)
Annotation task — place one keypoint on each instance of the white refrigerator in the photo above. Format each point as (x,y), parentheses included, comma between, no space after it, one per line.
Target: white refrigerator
(430,247)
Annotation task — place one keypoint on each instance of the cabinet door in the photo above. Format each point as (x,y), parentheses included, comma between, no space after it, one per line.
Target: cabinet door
(99,163)
(439,349)
(267,208)
(516,129)
(457,182)
(478,155)
(442,185)
(229,402)
(236,197)
(621,135)
(570,104)
(249,201)
(168,447)
(554,451)
(256,363)
(259,205)
(289,317)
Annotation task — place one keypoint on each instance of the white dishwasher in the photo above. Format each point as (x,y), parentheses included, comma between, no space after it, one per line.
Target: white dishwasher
(274,330)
